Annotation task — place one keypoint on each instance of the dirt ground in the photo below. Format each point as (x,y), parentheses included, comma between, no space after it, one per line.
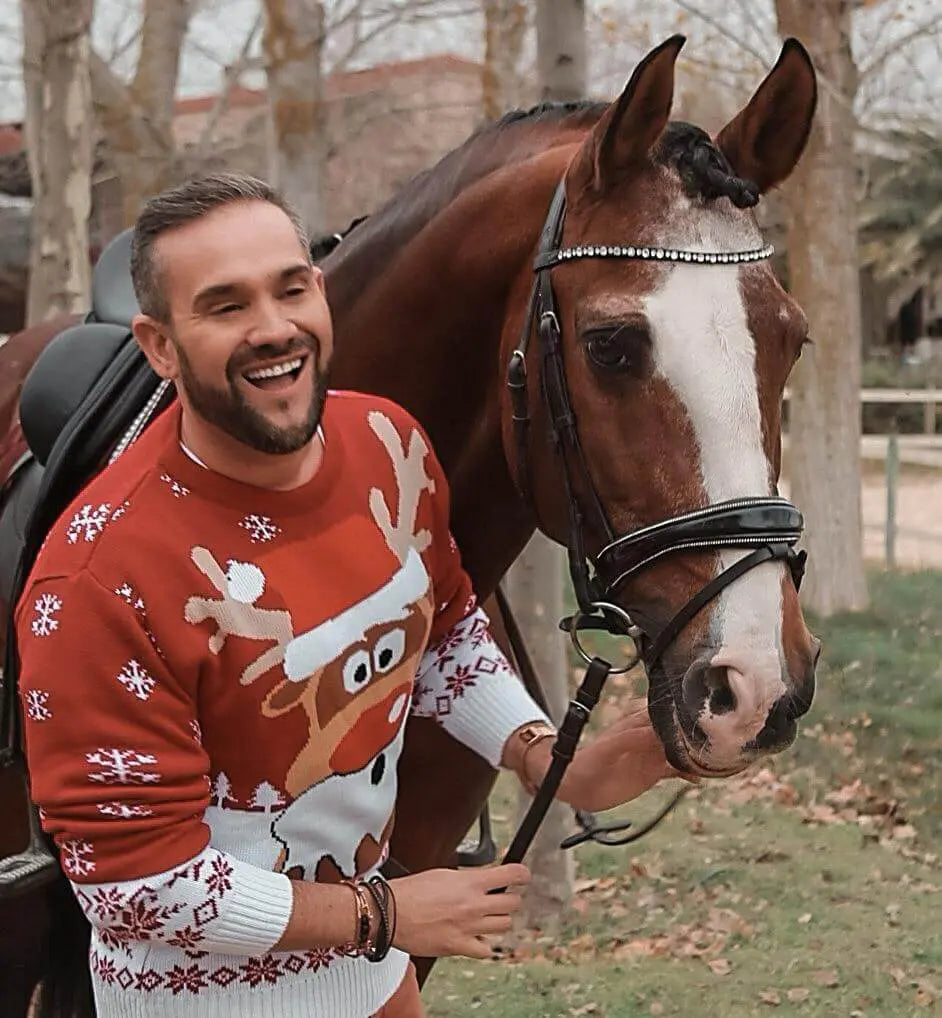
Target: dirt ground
(919,517)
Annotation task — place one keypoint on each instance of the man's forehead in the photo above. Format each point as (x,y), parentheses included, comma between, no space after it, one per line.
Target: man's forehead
(249,239)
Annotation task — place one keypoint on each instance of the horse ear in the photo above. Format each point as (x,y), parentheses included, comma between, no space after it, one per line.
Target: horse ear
(764,141)
(633,123)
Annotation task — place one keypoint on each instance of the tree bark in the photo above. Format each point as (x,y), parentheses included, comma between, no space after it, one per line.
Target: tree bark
(824,418)
(293,44)
(56,49)
(561,49)
(535,591)
(505,24)
(137,119)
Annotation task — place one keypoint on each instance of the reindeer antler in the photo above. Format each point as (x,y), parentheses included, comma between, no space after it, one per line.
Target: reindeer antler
(411,479)
(236,613)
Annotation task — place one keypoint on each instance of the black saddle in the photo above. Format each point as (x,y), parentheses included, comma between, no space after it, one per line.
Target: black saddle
(81,396)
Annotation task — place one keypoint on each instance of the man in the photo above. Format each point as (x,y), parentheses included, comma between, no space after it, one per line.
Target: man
(221,641)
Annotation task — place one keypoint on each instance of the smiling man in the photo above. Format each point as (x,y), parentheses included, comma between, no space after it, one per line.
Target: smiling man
(221,642)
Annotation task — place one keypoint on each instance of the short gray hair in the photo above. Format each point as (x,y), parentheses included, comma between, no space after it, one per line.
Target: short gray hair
(183,204)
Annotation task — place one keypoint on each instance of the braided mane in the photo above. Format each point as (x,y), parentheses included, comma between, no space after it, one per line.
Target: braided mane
(703,169)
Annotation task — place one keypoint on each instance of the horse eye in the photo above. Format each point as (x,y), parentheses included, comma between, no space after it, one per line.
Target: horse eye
(615,349)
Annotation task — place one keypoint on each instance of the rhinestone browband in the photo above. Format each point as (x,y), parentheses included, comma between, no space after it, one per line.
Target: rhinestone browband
(667,254)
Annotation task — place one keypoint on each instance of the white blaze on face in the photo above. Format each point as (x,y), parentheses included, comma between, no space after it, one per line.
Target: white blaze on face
(704,350)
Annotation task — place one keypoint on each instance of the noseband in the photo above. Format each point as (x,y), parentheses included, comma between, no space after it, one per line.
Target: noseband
(769,525)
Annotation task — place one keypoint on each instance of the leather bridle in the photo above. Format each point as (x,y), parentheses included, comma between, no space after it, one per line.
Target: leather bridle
(767,524)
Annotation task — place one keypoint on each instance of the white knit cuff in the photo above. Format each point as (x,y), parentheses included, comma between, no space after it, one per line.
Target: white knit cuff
(467,685)
(213,902)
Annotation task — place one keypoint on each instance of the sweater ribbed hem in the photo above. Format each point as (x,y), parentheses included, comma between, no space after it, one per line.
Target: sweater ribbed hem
(349,987)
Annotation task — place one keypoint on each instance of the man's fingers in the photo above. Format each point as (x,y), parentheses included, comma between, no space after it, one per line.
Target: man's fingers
(514,873)
(495,924)
(475,947)
(502,904)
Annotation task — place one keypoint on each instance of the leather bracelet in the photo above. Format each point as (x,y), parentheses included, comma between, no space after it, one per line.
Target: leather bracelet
(385,901)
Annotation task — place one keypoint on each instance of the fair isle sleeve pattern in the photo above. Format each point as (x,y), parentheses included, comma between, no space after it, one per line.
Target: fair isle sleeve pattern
(467,685)
(114,766)
(211,903)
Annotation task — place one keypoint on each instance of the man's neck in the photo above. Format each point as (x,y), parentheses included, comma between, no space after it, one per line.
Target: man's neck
(217,451)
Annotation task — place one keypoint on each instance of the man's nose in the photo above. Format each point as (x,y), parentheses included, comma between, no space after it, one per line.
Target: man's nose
(270,324)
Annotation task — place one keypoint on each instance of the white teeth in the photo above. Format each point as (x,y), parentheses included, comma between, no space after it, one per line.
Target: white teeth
(276,371)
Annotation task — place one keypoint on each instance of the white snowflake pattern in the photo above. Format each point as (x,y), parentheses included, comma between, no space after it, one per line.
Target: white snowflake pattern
(121,766)
(137,679)
(128,594)
(36,709)
(261,529)
(120,511)
(196,730)
(88,522)
(179,490)
(76,859)
(46,607)
(124,810)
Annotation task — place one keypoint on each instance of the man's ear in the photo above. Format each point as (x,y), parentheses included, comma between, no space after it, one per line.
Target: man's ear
(154,340)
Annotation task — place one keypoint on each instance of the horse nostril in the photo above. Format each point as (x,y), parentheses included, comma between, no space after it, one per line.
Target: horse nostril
(780,728)
(707,685)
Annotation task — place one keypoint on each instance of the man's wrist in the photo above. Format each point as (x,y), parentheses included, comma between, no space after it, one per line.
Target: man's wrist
(519,755)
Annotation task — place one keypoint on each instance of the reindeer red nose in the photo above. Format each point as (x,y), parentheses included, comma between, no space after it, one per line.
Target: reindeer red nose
(375,728)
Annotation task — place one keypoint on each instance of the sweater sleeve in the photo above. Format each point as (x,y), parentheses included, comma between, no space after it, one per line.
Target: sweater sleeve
(117,767)
(464,681)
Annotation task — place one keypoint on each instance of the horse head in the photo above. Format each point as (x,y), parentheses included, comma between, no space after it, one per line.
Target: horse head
(675,341)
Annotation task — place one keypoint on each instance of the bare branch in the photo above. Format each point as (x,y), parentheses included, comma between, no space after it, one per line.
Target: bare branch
(932,26)
(232,74)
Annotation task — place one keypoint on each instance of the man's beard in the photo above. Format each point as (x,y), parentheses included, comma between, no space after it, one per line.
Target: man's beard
(229,411)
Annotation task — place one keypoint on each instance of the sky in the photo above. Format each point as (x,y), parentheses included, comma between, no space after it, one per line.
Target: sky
(739,32)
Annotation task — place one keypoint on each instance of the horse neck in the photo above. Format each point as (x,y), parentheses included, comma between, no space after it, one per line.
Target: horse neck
(427,324)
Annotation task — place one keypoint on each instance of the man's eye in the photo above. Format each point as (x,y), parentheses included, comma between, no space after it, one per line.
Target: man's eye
(294,291)
(225,309)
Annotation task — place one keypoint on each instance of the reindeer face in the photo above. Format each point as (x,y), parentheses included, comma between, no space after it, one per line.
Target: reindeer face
(356,703)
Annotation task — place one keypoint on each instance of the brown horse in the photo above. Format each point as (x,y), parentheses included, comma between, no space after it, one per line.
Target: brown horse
(675,345)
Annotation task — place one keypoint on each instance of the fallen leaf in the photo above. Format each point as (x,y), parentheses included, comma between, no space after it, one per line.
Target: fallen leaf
(772,997)
(925,997)
(656,1008)
(590,1008)
(898,976)
(826,977)
(720,966)
(904,832)
(798,993)
(805,919)
(892,914)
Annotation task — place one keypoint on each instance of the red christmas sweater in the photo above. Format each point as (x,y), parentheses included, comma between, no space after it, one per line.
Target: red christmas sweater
(215,681)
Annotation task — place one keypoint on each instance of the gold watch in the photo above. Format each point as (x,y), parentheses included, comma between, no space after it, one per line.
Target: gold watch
(530,735)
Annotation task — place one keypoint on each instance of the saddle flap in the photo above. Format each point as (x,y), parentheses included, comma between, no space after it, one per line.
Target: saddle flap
(113,297)
(62,377)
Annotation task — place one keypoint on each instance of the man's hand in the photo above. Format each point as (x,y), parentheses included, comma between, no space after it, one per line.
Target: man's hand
(450,912)
(616,767)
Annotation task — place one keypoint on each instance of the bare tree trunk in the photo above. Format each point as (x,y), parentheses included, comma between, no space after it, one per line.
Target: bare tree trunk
(505,24)
(823,277)
(535,591)
(59,117)
(561,48)
(137,119)
(293,45)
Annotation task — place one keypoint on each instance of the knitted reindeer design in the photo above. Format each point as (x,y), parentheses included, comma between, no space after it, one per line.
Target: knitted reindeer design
(352,674)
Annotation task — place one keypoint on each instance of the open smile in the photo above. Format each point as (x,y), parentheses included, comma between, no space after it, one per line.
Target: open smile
(277,377)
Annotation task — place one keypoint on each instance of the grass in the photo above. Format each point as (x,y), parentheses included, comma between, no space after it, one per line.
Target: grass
(812,887)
